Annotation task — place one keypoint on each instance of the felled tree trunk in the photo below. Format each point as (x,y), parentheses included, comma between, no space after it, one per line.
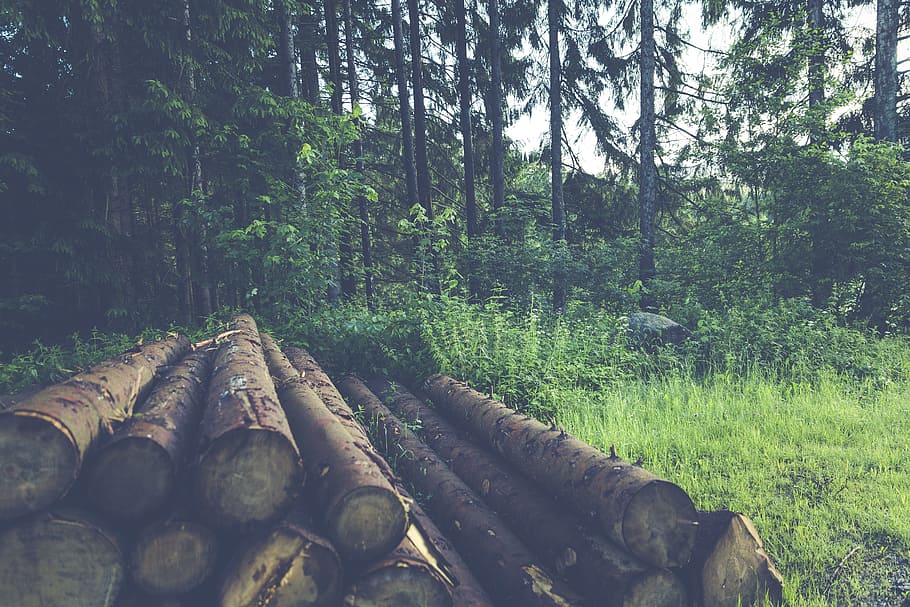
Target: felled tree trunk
(59,558)
(249,469)
(362,513)
(291,566)
(651,518)
(135,472)
(44,438)
(171,557)
(591,563)
(510,572)
(730,567)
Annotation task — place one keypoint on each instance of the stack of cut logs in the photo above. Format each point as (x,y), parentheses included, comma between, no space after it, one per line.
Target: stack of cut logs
(231,473)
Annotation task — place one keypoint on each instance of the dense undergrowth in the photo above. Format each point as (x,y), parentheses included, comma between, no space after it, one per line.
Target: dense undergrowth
(776,411)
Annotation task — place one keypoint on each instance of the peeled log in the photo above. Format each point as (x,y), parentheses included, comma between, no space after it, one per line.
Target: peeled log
(506,566)
(134,473)
(730,566)
(59,559)
(250,469)
(650,517)
(172,557)
(363,515)
(406,576)
(291,566)
(44,438)
(592,564)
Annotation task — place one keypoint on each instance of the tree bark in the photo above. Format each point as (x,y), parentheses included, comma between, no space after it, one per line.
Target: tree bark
(509,570)
(291,566)
(816,22)
(464,117)
(135,472)
(592,564)
(497,153)
(286,54)
(647,187)
(357,150)
(554,22)
(61,557)
(651,518)
(308,25)
(339,260)
(729,564)
(44,438)
(886,18)
(171,557)
(363,515)
(404,107)
(249,469)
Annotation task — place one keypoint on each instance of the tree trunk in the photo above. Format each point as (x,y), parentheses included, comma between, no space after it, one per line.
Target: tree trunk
(291,566)
(651,518)
(286,55)
(729,564)
(171,557)
(135,472)
(497,152)
(509,570)
(647,188)
(816,22)
(249,468)
(308,23)
(593,565)
(464,116)
(357,150)
(407,137)
(339,260)
(886,70)
(44,438)
(559,214)
(363,514)
(61,558)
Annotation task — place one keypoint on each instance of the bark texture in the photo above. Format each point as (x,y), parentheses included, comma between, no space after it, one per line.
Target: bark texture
(60,558)
(497,153)
(363,515)
(554,22)
(464,118)
(510,572)
(135,472)
(591,563)
(651,518)
(290,566)
(404,106)
(44,438)
(886,20)
(249,469)
(171,557)
(647,189)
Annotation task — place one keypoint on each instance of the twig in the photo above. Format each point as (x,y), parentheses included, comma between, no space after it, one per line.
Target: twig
(839,568)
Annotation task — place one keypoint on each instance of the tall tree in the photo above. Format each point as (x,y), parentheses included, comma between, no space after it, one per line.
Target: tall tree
(286,55)
(404,107)
(464,115)
(308,23)
(885,117)
(647,185)
(339,255)
(559,213)
(497,153)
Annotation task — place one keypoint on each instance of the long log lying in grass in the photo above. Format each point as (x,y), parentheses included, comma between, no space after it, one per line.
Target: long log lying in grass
(135,472)
(650,517)
(171,557)
(291,566)
(591,563)
(508,569)
(730,567)
(362,513)
(250,468)
(44,437)
(59,558)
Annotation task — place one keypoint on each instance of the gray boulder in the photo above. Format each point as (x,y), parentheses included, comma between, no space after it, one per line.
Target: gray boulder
(649,330)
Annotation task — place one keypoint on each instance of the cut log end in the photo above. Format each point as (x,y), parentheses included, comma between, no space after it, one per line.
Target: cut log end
(658,588)
(399,586)
(173,557)
(59,559)
(38,463)
(659,525)
(247,476)
(284,569)
(130,478)
(367,523)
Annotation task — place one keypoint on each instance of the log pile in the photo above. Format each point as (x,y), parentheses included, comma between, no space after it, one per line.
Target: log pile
(234,474)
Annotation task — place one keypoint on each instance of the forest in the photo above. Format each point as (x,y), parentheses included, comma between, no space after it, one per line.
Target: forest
(356,174)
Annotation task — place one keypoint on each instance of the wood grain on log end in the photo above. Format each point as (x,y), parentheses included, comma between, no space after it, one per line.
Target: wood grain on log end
(291,566)
(658,588)
(130,478)
(660,524)
(173,557)
(401,584)
(247,476)
(368,521)
(38,462)
(59,559)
